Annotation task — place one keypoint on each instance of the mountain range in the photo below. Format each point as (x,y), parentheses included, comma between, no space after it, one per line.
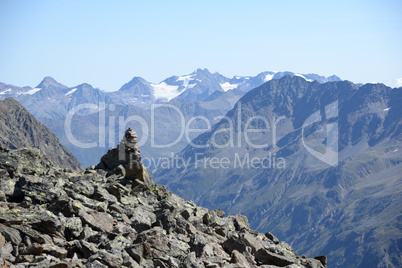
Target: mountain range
(316,160)
(270,159)
(198,85)
(200,93)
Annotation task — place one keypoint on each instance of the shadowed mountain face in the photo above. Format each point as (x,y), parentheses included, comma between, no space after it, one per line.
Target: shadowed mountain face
(18,129)
(319,164)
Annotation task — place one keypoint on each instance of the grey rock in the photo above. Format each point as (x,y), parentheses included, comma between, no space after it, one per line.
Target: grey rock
(2,240)
(102,195)
(136,252)
(142,218)
(55,251)
(87,220)
(99,221)
(6,252)
(271,237)
(110,260)
(11,234)
(84,187)
(266,257)
(239,259)
(74,226)
(96,264)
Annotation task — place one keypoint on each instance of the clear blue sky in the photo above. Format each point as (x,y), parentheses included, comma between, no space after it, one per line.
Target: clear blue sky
(106,43)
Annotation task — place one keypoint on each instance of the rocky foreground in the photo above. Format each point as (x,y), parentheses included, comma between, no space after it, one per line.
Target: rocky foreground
(51,217)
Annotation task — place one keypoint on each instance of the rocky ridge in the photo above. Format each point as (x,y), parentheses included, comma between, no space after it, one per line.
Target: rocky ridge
(19,129)
(50,217)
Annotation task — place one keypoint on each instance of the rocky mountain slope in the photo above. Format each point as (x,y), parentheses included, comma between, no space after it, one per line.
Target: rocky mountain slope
(104,218)
(320,166)
(19,129)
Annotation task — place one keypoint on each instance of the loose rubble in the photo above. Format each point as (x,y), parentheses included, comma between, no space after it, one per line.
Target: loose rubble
(102,218)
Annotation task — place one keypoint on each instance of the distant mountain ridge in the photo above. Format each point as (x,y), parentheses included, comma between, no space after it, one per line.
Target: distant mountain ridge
(201,84)
(198,85)
(200,93)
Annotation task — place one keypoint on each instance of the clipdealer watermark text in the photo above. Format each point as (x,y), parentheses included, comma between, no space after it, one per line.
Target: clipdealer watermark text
(235,132)
(245,161)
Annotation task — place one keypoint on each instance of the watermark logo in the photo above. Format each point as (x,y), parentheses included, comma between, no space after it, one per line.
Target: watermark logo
(242,130)
(330,154)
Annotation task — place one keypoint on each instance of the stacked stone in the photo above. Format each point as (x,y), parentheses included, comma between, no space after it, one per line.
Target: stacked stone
(125,160)
(130,140)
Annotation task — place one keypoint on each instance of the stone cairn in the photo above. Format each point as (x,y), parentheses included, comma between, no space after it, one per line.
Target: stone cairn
(125,161)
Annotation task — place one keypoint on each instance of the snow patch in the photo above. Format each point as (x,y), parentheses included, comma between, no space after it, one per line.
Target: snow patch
(71,92)
(190,86)
(268,77)
(32,91)
(386,109)
(185,77)
(186,81)
(5,91)
(165,91)
(228,86)
(241,77)
(302,76)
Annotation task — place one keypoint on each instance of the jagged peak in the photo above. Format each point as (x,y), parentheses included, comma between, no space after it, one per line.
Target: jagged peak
(136,80)
(85,86)
(201,71)
(334,78)
(50,82)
